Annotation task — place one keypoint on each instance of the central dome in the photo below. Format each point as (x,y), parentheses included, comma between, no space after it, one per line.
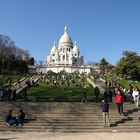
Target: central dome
(65,39)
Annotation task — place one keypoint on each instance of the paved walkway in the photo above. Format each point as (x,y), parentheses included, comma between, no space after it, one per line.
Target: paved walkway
(68,136)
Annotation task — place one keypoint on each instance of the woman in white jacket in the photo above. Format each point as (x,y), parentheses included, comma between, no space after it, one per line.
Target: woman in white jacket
(135,95)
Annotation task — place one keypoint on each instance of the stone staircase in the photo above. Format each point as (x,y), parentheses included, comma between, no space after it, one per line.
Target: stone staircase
(23,85)
(20,88)
(99,83)
(70,117)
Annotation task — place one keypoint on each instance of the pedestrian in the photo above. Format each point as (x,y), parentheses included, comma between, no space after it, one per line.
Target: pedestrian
(9,92)
(25,98)
(105,110)
(84,98)
(33,83)
(119,100)
(105,83)
(96,94)
(1,94)
(14,95)
(108,94)
(135,95)
(18,83)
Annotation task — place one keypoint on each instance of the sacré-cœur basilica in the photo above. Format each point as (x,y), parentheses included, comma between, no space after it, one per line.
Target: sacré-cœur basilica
(64,57)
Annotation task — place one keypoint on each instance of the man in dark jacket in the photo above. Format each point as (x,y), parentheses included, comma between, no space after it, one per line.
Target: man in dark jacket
(96,94)
(105,110)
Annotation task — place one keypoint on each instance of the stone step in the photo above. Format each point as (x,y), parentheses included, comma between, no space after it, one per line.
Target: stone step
(67,127)
(94,119)
(45,113)
(70,117)
(95,111)
(136,124)
(59,130)
(78,122)
(80,117)
(30,110)
(50,104)
(113,114)
(64,110)
(68,103)
(105,129)
(84,116)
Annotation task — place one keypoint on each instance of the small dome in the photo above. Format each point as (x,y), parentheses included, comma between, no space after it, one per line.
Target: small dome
(65,39)
(75,48)
(48,58)
(54,49)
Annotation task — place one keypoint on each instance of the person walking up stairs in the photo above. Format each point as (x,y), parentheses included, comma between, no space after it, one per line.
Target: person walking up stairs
(105,110)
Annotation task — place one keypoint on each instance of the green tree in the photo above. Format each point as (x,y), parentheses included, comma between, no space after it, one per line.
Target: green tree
(31,61)
(103,65)
(11,57)
(129,65)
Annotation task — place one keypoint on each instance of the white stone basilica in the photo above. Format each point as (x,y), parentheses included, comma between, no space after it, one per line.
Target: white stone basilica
(65,57)
(66,54)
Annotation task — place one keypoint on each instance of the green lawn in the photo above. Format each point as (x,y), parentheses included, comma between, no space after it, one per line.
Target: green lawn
(46,93)
(72,93)
(122,82)
(5,79)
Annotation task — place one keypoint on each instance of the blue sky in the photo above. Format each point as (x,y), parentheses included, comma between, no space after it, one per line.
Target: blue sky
(102,28)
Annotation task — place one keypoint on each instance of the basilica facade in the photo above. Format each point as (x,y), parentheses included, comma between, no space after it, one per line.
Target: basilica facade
(64,56)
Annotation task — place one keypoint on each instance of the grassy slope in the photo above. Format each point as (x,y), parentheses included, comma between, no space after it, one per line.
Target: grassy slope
(122,82)
(47,93)
(13,78)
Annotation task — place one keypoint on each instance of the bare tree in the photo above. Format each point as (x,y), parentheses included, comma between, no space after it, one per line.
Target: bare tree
(11,57)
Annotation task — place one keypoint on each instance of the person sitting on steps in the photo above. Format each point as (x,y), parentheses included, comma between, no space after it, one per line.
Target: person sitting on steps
(9,119)
(21,117)
(18,120)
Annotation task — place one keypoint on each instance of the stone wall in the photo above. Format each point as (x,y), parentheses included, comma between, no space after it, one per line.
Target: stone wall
(68,69)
